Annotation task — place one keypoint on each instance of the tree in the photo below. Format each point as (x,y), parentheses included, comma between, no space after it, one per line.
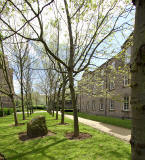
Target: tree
(85,33)
(7,87)
(20,57)
(137,84)
(28,86)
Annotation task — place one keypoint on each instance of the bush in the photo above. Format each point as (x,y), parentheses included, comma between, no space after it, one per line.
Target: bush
(42,107)
(19,110)
(68,110)
(7,111)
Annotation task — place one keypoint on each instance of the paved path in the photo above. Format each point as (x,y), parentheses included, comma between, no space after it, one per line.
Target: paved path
(119,132)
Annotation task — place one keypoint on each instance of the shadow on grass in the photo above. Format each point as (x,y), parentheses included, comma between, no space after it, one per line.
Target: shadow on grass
(21,155)
(3,136)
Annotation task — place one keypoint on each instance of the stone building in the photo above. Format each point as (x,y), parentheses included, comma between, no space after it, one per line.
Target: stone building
(106,90)
(5,101)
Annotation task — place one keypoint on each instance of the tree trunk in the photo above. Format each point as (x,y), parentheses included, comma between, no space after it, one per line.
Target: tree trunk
(27,104)
(22,94)
(49,105)
(58,95)
(70,71)
(30,103)
(46,100)
(2,107)
(63,102)
(73,98)
(54,100)
(53,111)
(137,84)
(14,109)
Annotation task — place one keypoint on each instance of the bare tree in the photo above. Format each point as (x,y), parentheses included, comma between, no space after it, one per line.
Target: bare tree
(7,87)
(20,57)
(28,85)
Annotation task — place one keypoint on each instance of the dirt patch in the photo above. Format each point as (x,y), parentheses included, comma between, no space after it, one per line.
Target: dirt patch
(19,124)
(63,124)
(24,137)
(80,137)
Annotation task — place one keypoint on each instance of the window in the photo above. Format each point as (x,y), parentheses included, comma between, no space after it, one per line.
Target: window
(101,107)
(126,81)
(112,85)
(111,105)
(126,103)
(128,55)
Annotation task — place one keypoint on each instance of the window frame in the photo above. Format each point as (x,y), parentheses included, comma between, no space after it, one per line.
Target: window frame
(126,104)
(111,103)
(101,107)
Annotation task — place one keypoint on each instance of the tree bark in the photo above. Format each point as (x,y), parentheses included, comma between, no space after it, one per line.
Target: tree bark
(58,95)
(137,84)
(46,100)
(49,105)
(63,102)
(27,104)
(70,71)
(2,107)
(54,100)
(22,93)
(73,98)
(53,110)
(14,109)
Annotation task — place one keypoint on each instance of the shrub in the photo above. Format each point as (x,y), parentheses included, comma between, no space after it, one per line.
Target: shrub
(39,107)
(7,111)
(68,110)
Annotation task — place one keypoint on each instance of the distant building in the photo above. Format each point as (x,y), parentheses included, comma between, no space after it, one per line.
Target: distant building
(4,99)
(106,91)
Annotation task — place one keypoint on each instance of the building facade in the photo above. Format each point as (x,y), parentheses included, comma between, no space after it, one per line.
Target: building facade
(5,101)
(106,90)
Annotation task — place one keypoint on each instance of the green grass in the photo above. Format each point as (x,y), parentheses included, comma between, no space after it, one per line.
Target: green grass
(100,147)
(126,123)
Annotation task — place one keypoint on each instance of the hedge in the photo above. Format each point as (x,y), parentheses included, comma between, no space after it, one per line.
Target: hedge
(39,107)
(7,111)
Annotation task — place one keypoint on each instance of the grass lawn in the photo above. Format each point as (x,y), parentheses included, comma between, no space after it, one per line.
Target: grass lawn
(99,147)
(126,123)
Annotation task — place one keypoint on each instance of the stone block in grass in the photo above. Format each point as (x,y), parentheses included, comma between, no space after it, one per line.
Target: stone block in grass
(37,127)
